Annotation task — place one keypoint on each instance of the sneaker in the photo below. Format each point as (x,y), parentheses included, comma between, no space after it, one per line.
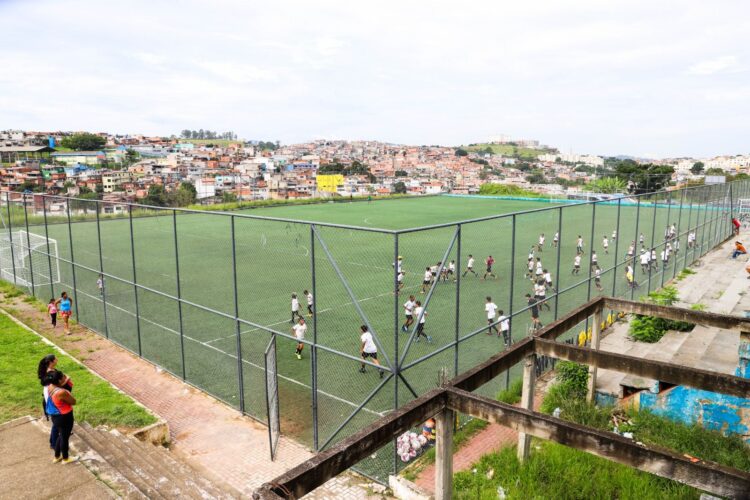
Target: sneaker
(403,327)
(299,356)
(382,373)
(56,460)
(429,339)
(362,369)
(69,460)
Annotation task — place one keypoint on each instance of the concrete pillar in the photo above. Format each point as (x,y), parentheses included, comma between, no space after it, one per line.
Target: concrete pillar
(444,454)
(743,364)
(527,402)
(596,329)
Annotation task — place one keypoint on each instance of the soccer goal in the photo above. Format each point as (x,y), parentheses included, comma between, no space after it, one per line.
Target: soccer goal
(22,253)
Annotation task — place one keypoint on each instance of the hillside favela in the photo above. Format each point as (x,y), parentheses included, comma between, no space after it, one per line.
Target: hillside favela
(333,250)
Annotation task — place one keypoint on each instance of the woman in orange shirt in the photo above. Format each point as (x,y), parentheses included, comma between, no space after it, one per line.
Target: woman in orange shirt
(60,408)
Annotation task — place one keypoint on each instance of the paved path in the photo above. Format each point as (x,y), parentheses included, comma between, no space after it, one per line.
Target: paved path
(214,438)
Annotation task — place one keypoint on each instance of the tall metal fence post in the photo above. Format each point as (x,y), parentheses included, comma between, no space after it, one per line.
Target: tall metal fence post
(679,235)
(557,264)
(28,243)
(103,289)
(653,245)
(591,263)
(512,277)
(617,248)
(49,256)
(237,329)
(135,281)
(396,330)
(72,261)
(179,294)
(635,245)
(458,298)
(10,237)
(690,231)
(669,226)
(314,348)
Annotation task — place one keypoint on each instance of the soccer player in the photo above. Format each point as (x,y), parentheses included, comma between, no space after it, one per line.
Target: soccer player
(576,264)
(399,262)
(555,239)
(434,271)
(295,308)
(598,279)
(540,293)
(614,235)
(399,282)
(299,333)
(645,261)
(691,239)
(426,280)
(100,284)
(530,269)
(491,309)
(368,349)
(489,261)
(605,244)
(470,266)
(534,309)
(631,250)
(451,272)
(531,252)
(630,278)
(548,280)
(594,259)
(640,239)
(664,258)
(539,269)
(540,246)
(421,315)
(409,306)
(504,327)
(309,297)
(579,244)
(654,262)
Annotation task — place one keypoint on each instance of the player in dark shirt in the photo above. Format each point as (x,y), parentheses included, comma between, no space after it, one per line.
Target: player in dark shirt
(534,308)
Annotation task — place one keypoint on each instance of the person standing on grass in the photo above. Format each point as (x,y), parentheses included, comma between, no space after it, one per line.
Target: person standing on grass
(641,239)
(555,239)
(645,261)
(504,327)
(309,297)
(295,308)
(540,246)
(654,262)
(451,272)
(598,279)
(540,293)
(399,282)
(605,244)
(539,268)
(470,267)
(426,280)
(614,235)
(299,331)
(491,309)
(60,408)
(65,305)
(368,349)
(100,284)
(576,264)
(579,244)
(409,306)
(421,315)
(594,259)
(488,262)
(46,365)
(530,269)
(534,309)
(52,311)
(548,280)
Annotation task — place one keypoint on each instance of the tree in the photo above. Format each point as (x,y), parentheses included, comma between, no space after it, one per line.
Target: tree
(131,156)
(156,196)
(644,178)
(715,171)
(697,168)
(399,188)
(228,197)
(186,134)
(461,152)
(536,177)
(185,195)
(608,185)
(401,173)
(83,142)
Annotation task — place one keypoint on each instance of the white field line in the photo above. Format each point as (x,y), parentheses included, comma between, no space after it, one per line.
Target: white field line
(233,356)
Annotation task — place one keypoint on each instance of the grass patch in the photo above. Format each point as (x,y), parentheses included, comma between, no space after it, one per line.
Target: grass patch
(98,402)
(555,471)
(507,150)
(651,329)
(512,394)
(684,274)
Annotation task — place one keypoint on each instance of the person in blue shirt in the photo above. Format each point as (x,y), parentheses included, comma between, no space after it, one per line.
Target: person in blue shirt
(65,306)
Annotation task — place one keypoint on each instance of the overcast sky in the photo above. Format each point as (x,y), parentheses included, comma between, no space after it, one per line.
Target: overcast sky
(646,78)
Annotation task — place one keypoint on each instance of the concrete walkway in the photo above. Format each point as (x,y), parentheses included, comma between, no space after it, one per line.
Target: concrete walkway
(213,438)
(27,471)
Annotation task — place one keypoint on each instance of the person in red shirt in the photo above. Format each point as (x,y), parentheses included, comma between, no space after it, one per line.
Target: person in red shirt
(489,261)
(60,408)
(736,223)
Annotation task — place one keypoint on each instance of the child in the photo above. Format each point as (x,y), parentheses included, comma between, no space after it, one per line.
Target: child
(491,309)
(295,308)
(52,311)
(309,297)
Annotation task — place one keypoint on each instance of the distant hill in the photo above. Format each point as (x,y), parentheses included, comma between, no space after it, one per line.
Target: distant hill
(508,150)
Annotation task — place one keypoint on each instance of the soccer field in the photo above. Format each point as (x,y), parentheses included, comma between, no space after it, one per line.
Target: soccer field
(353,273)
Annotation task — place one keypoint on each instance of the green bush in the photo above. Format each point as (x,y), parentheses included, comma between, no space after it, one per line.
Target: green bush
(512,394)
(572,380)
(651,329)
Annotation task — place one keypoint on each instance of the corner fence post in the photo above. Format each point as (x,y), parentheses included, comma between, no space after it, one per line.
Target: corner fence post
(595,335)
(314,347)
(653,242)
(28,243)
(617,248)
(135,282)
(103,289)
(396,330)
(237,329)
(679,235)
(557,270)
(527,402)
(444,454)
(72,262)
(458,298)
(635,245)
(179,294)
(10,237)
(512,278)
(49,256)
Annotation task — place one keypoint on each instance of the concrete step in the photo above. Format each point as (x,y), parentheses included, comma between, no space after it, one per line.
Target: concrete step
(722,355)
(664,350)
(120,462)
(695,346)
(10,424)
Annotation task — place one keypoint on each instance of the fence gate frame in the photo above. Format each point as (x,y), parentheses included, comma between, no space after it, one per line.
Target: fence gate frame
(272,396)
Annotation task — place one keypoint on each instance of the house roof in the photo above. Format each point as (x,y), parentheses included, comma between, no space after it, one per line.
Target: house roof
(25,149)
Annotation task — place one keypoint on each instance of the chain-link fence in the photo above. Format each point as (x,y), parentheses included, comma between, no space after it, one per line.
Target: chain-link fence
(202,293)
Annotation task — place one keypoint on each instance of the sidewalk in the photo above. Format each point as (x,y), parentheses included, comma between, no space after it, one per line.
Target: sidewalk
(214,438)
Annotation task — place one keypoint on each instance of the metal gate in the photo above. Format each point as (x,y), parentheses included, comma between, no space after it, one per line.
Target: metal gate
(272,396)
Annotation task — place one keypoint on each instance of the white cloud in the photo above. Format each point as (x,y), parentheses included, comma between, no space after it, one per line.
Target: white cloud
(720,64)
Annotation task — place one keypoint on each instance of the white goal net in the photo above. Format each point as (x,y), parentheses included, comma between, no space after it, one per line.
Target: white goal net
(23,253)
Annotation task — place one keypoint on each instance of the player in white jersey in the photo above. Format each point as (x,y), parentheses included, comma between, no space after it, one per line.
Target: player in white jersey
(576,264)
(540,245)
(504,327)
(548,280)
(470,267)
(614,235)
(299,333)
(309,298)
(451,271)
(645,261)
(399,264)
(605,244)
(368,349)
(540,293)
(579,244)
(654,262)
(555,239)
(530,269)
(426,280)
(594,259)
(420,315)
(399,282)
(598,279)
(491,310)
(539,268)
(409,306)
(295,308)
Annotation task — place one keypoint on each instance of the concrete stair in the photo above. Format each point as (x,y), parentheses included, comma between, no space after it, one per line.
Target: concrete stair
(138,470)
